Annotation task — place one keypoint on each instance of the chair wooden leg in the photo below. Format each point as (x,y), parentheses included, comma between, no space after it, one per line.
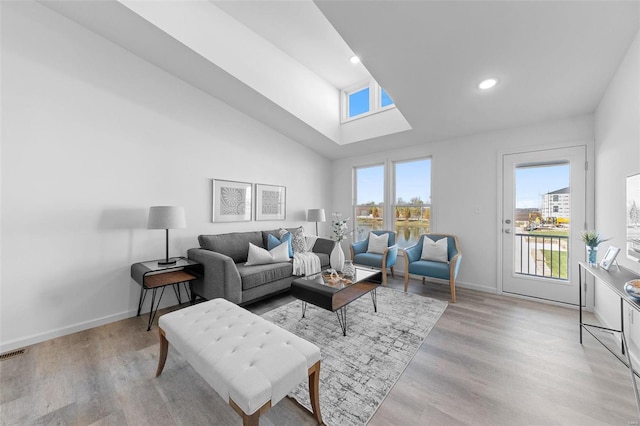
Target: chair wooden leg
(392,272)
(406,280)
(452,284)
(164,348)
(314,391)
(423,280)
(384,277)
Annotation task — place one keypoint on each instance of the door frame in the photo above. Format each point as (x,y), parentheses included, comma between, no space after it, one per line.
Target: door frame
(589,287)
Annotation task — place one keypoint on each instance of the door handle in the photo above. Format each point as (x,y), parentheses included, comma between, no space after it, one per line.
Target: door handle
(507,231)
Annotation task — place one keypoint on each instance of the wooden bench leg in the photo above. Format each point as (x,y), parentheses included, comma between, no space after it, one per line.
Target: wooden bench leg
(250,419)
(164,348)
(314,390)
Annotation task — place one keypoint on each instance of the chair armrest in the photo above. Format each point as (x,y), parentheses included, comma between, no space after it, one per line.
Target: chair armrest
(454,265)
(360,246)
(391,255)
(221,277)
(412,253)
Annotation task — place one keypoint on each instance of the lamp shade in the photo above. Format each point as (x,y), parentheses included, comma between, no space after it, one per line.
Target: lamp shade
(166,217)
(316,215)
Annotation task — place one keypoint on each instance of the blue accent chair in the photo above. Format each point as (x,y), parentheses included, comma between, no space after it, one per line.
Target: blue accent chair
(432,269)
(383,261)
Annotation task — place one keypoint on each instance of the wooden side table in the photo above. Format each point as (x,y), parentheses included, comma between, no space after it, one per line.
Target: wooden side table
(152,276)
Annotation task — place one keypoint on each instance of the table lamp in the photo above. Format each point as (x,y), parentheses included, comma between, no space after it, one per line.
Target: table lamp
(166,217)
(316,215)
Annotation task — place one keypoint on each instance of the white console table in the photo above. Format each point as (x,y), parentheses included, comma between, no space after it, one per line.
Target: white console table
(615,278)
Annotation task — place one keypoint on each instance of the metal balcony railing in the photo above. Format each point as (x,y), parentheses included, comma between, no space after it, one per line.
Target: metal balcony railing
(541,255)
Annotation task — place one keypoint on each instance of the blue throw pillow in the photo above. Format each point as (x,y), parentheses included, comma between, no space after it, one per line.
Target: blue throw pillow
(273,242)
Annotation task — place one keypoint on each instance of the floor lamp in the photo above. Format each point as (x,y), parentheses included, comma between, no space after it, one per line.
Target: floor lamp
(316,215)
(166,217)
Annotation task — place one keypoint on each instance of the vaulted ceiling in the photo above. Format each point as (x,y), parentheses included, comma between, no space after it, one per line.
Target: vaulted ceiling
(553,59)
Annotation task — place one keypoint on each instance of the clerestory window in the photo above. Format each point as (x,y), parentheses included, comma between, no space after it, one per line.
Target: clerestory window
(363,100)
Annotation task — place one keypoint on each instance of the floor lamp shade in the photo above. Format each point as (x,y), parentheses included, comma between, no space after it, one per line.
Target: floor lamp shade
(316,215)
(166,217)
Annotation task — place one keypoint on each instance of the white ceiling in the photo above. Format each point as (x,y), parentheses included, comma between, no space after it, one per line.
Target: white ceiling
(554,59)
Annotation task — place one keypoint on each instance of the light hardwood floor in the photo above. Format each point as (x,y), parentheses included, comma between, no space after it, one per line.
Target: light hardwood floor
(490,360)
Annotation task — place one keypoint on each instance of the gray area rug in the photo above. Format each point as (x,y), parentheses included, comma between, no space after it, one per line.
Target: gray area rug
(359,370)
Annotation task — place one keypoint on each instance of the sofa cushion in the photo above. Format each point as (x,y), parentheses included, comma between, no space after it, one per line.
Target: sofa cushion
(235,244)
(324,259)
(259,256)
(254,276)
(298,241)
(273,241)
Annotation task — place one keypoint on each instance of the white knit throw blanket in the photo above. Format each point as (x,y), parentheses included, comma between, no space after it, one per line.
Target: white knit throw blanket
(305,263)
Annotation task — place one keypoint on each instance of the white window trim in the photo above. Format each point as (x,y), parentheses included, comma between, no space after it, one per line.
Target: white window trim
(375,101)
(389,196)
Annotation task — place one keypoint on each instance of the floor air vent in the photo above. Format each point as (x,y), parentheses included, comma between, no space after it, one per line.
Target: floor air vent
(12,354)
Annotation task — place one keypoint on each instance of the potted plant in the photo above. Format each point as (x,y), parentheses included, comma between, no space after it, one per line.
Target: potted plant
(592,239)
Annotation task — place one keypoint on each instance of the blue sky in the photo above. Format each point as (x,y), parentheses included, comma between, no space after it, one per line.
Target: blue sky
(532,182)
(413,179)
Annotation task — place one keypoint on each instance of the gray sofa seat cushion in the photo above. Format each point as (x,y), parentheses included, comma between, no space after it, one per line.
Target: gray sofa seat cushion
(235,244)
(257,275)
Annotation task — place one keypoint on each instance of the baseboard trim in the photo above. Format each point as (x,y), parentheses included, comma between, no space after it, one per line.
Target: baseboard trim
(63,331)
(459,284)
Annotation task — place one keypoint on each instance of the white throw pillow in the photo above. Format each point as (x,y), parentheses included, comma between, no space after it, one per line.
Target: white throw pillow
(259,256)
(378,243)
(437,251)
(280,253)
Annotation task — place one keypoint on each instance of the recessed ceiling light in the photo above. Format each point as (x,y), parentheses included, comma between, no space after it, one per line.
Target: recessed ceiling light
(488,83)
(354,59)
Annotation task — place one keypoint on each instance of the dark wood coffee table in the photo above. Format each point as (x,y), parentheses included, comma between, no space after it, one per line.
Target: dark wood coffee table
(335,294)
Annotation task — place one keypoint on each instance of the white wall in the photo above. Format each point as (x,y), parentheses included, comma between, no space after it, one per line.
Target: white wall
(91,137)
(617,149)
(465,180)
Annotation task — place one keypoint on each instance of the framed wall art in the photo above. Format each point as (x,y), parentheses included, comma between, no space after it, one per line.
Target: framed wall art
(271,202)
(231,201)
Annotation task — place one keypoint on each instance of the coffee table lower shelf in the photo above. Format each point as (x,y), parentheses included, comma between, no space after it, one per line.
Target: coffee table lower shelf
(316,290)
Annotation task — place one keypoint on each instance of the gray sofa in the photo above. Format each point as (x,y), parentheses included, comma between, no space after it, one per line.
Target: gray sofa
(226,275)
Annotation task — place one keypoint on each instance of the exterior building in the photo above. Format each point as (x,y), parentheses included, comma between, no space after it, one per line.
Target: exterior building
(556,204)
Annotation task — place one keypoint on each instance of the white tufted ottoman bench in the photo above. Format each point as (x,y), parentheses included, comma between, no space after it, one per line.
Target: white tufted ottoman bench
(250,362)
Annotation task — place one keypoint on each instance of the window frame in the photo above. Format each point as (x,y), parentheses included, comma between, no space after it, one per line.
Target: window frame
(375,100)
(389,192)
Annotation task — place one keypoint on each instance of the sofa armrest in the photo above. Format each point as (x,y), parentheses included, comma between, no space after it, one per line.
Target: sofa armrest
(323,245)
(221,277)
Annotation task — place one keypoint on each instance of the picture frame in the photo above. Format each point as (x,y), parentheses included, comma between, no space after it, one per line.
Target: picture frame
(609,257)
(271,202)
(231,201)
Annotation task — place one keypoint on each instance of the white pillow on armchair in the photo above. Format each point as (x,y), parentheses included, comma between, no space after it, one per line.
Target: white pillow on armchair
(378,243)
(437,251)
